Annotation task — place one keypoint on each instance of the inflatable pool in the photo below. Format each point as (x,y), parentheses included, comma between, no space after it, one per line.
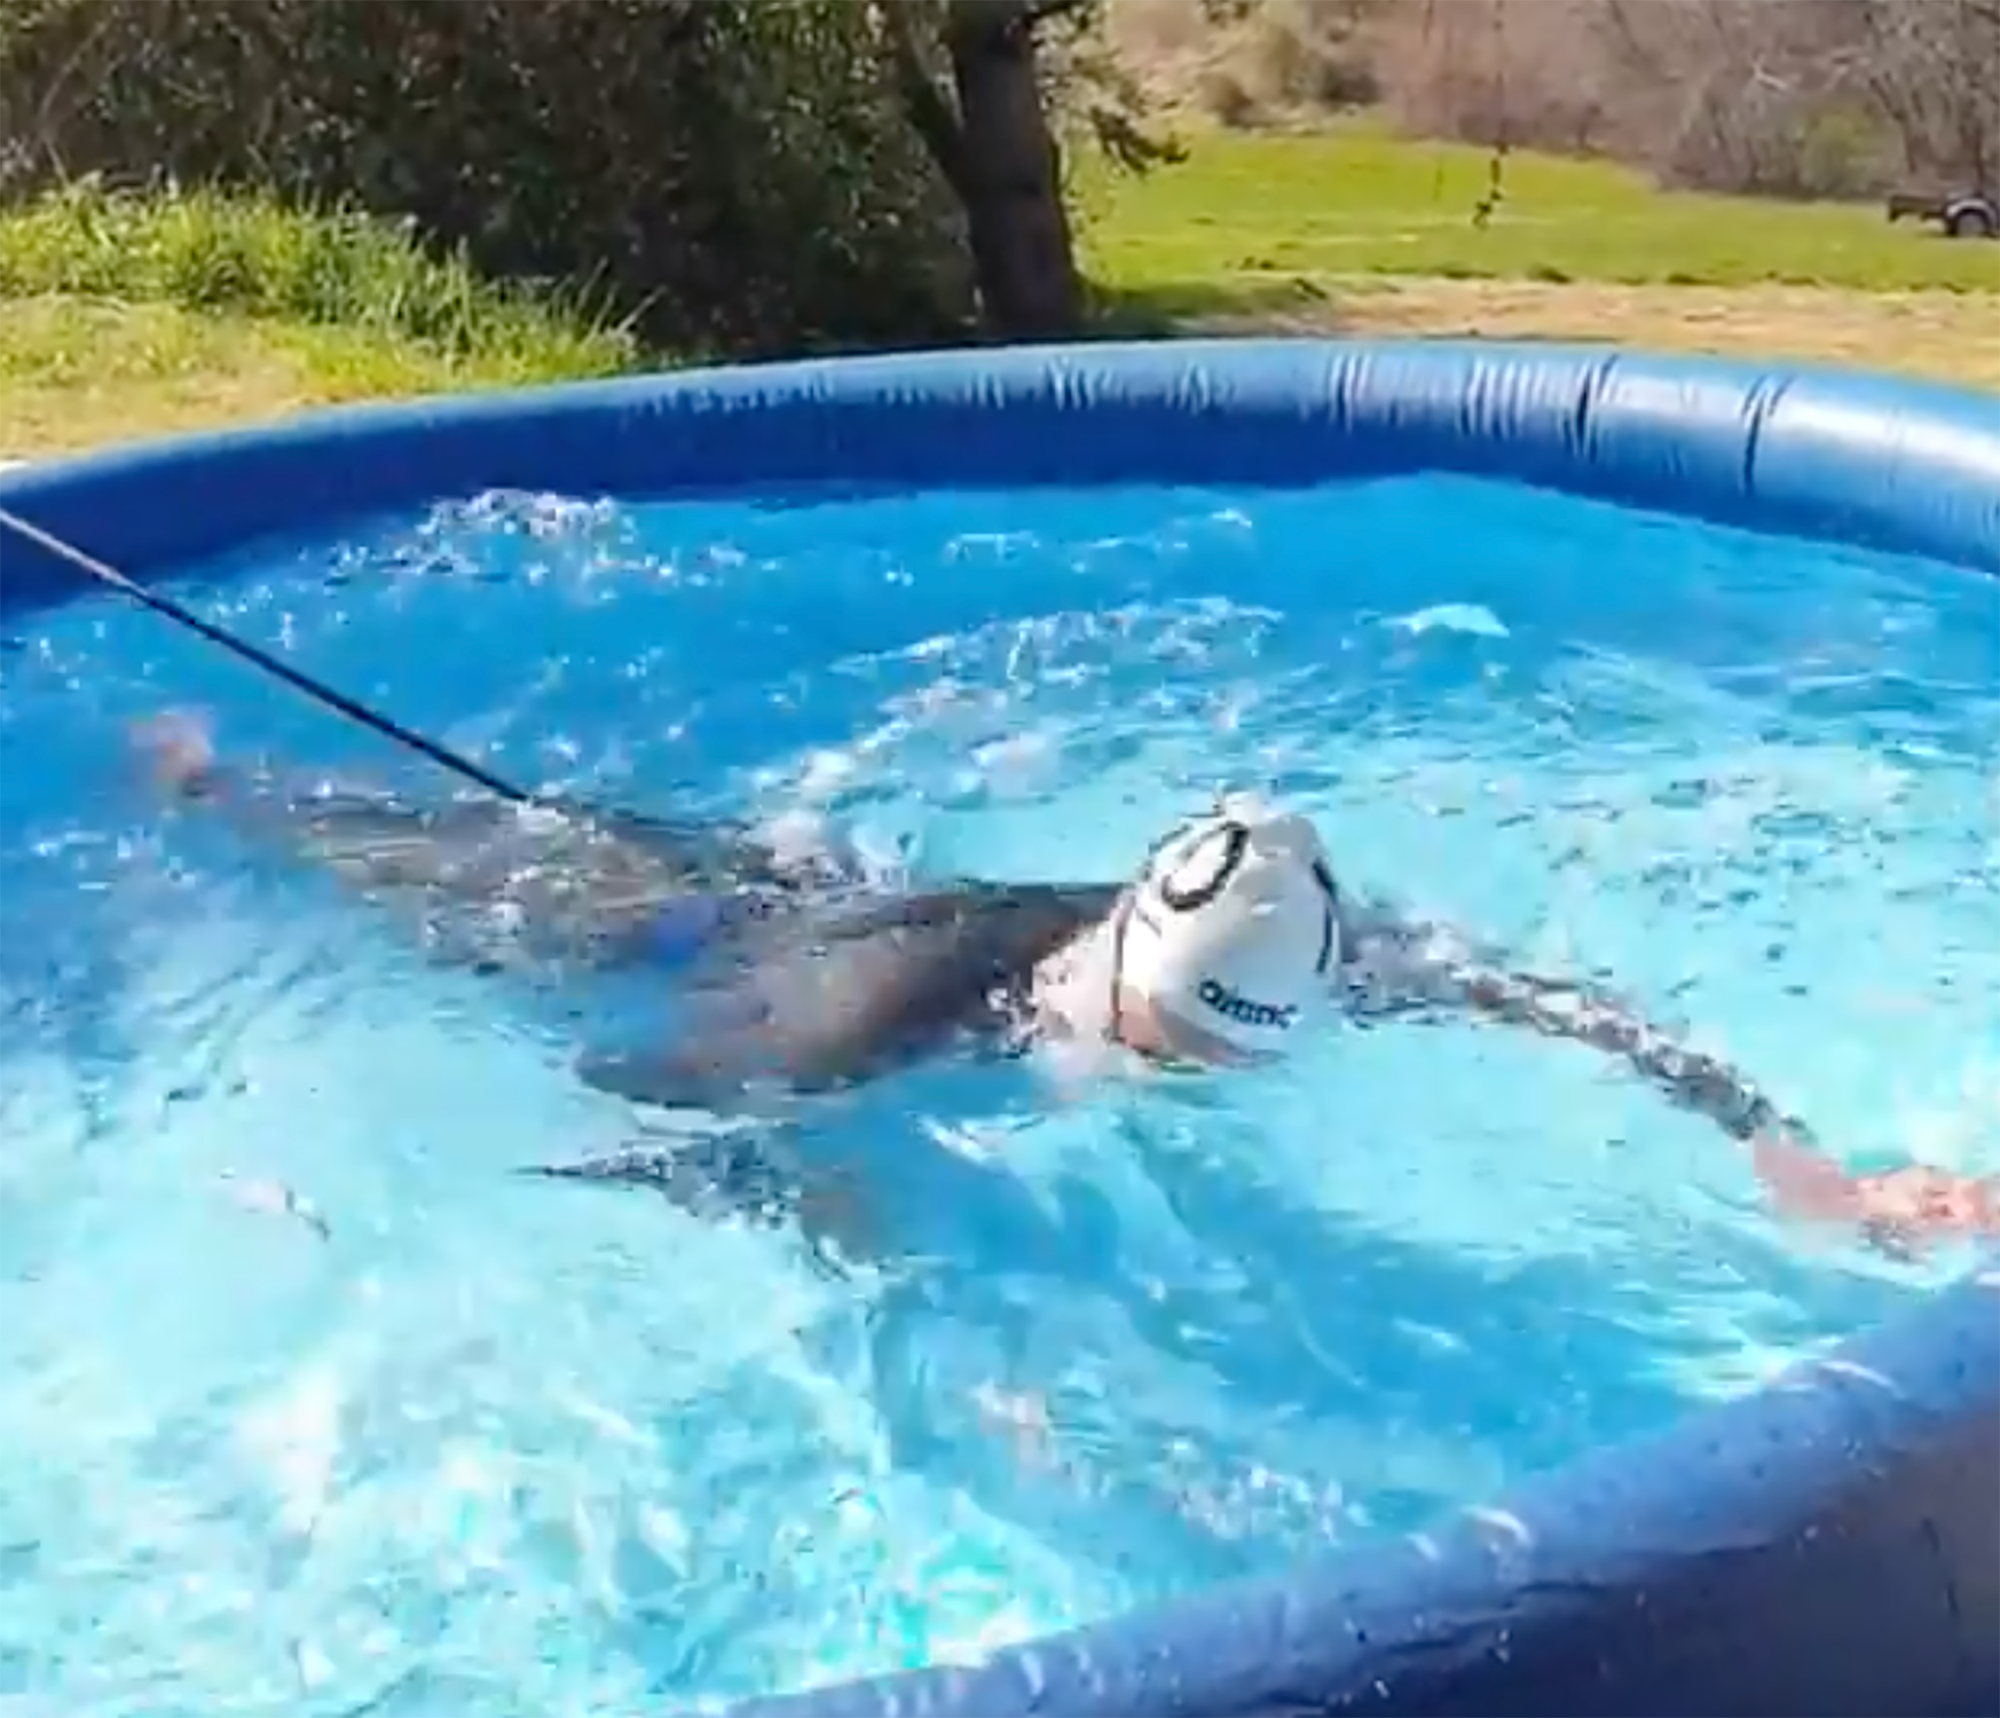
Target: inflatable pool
(1823,1545)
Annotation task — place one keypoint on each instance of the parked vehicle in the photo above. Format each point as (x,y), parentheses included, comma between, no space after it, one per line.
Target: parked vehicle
(1962,214)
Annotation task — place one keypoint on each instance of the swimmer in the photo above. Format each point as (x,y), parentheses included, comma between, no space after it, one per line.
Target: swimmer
(1235,937)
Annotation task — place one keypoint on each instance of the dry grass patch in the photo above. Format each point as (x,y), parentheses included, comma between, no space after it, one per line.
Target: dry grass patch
(1946,336)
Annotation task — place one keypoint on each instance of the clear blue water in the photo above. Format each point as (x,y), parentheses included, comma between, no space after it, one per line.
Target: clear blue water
(502,1447)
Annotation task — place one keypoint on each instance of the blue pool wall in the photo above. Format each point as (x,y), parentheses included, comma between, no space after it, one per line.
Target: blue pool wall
(1828,1545)
(1890,464)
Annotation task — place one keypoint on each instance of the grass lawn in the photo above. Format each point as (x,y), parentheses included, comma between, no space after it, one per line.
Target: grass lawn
(122,317)
(1356,231)
(1249,212)
(78,373)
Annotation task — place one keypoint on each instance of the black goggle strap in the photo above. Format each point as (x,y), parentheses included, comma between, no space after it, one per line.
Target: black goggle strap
(1121,920)
(1121,924)
(1335,947)
(1236,839)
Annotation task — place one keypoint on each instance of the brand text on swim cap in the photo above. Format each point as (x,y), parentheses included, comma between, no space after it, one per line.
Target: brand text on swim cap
(1241,1009)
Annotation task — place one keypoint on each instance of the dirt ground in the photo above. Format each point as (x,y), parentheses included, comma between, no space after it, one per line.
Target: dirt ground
(1952,337)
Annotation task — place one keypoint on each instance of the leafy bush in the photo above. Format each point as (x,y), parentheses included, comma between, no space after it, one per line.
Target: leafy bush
(734,174)
(1782,144)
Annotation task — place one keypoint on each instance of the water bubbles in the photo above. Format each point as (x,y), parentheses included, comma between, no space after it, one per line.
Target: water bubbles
(825,772)
(1470,619)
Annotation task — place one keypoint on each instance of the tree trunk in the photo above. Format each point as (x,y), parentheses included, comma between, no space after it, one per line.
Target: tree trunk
(1008,175)
(990,136)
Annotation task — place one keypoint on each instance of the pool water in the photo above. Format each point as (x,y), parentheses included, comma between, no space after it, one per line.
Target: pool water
(503,1446)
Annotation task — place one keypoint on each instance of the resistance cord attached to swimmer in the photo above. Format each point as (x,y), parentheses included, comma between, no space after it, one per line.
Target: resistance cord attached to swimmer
(334,700)
(684,924)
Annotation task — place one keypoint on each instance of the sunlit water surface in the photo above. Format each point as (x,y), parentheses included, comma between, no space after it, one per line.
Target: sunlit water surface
(501,1446)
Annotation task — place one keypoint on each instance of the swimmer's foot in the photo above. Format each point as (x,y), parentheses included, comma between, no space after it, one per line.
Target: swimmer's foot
(179,749)
(712,1177)
(728,1176)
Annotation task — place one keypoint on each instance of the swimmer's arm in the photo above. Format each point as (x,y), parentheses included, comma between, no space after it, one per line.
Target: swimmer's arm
(1419,966)
(1897,1211)
(1414,966)
(1694,1080)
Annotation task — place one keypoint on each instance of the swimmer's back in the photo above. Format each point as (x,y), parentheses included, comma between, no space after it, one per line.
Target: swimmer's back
(825,995)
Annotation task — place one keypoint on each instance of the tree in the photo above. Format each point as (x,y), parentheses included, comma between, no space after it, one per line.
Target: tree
(985,126)
(736,176)
(1816,99)
(1932,67)
(979,84)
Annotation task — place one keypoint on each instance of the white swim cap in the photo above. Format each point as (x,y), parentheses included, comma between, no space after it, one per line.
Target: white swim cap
(1234,925)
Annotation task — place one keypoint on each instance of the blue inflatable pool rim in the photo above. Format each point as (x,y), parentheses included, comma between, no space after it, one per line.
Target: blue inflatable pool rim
(1827,1546)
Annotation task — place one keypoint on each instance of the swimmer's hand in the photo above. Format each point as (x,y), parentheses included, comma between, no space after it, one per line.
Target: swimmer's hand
(179,748)
(1899,1212)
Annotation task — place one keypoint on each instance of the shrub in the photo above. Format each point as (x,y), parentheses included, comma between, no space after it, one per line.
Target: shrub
(1224,99)
(735,174)
(1792,146)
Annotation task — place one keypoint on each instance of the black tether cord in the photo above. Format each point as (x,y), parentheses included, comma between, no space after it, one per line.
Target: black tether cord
(327,695)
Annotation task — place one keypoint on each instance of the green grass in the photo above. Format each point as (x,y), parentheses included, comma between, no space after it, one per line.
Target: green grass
(163,296)
(249,256)
(1252,220)
(124,316)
